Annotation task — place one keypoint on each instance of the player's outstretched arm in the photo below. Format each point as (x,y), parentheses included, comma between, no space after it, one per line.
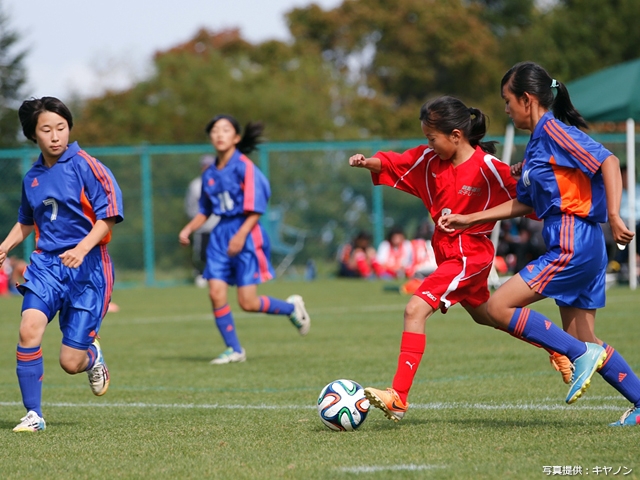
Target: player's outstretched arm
(372,164)
(511,209)
(17,234)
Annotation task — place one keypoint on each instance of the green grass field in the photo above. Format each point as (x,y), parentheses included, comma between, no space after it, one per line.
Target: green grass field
(484,405)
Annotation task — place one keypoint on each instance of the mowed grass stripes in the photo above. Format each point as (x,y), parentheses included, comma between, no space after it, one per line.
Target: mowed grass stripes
(485,405)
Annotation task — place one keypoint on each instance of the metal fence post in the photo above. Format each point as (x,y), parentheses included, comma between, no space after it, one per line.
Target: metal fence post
(29,242)
(264,168)
(147,216)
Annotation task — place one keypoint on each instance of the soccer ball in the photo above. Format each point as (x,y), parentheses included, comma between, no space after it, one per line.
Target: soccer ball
(342,405)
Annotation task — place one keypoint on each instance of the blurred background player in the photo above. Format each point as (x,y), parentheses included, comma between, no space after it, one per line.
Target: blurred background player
(571,182)
(462,175)
(73,201)
(423,256)
(394,256)
(200,236)
(357,258)
(238,251)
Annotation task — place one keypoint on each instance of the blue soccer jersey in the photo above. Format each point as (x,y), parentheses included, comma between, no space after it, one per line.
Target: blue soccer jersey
(232,192)
(236,189)
(64,201)
(561,172)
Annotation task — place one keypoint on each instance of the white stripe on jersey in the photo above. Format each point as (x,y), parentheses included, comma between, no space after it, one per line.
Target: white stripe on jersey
(488,160)
(418,162)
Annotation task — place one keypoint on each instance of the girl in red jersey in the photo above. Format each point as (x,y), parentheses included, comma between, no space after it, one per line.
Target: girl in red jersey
(456,172)
(570,181)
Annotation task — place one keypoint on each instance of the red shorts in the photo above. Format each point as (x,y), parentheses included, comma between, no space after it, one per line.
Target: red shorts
(464,264)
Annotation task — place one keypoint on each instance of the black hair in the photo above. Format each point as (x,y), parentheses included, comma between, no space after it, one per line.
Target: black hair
(252,132)
(531,78)
(31,109)
(394,231)
(361,236)
(447,114)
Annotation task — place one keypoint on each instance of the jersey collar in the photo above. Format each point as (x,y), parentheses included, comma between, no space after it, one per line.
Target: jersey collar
(537,132)
(72,149)
(234,157)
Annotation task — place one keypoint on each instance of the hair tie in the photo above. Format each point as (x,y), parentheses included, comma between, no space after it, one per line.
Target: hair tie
(554,83)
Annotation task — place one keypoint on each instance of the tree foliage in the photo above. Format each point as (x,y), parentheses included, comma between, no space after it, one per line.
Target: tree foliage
(12,81)
(361,69)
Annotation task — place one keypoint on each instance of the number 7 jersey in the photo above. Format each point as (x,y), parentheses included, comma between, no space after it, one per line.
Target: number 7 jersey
(64,201)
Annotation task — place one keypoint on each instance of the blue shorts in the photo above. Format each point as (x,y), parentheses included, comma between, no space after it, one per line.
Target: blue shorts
(573,270)
(251,266)
(81,295)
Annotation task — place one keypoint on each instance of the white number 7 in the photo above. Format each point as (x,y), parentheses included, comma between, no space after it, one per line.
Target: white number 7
(54,207)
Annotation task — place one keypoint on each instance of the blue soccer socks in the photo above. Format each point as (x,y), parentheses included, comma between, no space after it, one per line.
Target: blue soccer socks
(226,326)
(617,372)
(92,355)
(536,328)
(275,306)
(30,371)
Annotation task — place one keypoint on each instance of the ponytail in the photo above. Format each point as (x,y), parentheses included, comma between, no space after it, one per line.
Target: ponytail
(564,110)
(478,129)
(251,138)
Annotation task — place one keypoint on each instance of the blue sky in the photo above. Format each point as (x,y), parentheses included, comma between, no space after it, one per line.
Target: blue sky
(84,46)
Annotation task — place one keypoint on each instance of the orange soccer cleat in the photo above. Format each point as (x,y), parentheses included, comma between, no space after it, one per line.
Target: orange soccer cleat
(563,365)
(388,401)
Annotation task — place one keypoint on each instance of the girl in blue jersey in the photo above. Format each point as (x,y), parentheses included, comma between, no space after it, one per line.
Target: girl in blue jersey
(72,201)
(238,251)
(570,181)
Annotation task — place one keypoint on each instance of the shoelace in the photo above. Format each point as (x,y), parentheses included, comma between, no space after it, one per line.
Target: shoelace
(95,374)
(626,414)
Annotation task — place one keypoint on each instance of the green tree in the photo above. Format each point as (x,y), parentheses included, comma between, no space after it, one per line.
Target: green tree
(400,53)
(589,35)
(12,80)
(287,87)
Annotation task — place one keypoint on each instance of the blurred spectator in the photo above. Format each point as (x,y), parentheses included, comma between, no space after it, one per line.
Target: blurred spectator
(357,258)
(395,256)
(200,236)
(520,242)
(423,256)
(11,273)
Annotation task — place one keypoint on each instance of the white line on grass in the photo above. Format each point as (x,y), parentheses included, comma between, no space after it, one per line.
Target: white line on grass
(388,468)
(416,406)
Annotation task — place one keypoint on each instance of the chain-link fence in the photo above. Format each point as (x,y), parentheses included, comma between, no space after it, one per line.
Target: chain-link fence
(320,200)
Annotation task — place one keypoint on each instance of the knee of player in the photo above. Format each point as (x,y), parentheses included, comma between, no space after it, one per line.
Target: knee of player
(417,311)
(249,304)
(498,314)
(72,365)
(31,334)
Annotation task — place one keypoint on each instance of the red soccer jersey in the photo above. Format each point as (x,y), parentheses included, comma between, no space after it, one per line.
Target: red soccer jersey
(480,183)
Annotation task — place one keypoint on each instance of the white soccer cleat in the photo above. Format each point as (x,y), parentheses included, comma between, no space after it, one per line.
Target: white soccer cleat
(32,422)
(229,356)
(300,318)
(99,374)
